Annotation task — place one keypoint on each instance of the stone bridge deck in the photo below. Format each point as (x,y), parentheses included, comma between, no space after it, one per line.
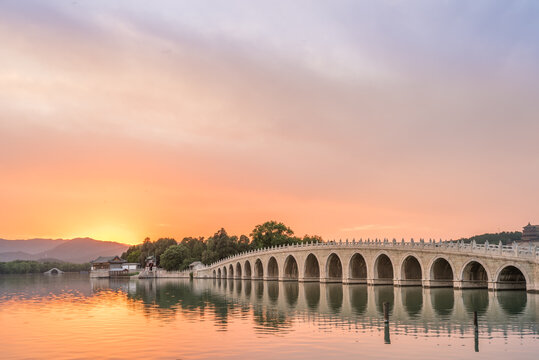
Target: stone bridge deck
(428,264)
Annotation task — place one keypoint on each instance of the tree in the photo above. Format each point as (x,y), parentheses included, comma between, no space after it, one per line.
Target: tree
(209,257)
(504,237)
(272,233)
(147,248)
(222,244)
(134,256)
(25,267)
(312,239)
(244,244)
(160,246)
(196,246)
(174,257)
(129,251)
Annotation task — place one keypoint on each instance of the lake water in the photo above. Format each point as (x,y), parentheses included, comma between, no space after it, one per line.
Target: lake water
(74,317)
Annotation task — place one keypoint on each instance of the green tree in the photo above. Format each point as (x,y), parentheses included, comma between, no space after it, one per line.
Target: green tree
(134,256)
(196,246)
(312,239)
(244,244)
(147,248)
(272,233)
(209,257)
(222,244)
(174,257)
(504,237)
(160,246)
(27,267)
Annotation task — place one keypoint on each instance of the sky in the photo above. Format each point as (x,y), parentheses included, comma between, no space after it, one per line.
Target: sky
(121,120)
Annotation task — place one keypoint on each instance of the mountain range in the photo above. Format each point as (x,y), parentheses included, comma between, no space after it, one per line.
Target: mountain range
(78,250)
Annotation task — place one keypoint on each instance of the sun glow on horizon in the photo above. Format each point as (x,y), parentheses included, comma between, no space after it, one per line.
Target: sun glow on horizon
(121,234)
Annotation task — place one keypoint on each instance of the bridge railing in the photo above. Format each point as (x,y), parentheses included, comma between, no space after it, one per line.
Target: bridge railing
(513,250)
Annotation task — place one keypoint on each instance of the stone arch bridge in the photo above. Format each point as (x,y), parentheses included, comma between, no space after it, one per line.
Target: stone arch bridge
(428,264)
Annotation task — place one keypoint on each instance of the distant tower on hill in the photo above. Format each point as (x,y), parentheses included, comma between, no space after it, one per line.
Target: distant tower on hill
(530,235)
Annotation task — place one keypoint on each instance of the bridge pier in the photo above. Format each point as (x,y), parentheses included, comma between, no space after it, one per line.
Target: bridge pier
(438,284)
(403,282)
(470,284)
(379,281)
(508,286)
(287,279)
(354,281)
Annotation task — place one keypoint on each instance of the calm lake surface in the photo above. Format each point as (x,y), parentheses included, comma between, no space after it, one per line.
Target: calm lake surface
(73,316)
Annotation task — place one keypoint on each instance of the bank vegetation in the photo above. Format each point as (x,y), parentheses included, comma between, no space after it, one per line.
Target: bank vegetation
(173,255)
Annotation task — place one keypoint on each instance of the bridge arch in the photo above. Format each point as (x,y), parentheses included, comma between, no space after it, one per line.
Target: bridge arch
(411,270)
(290,268)
(357,268)
(259,269)
(224,272)
(383,269)
(238,270)
(247,267)
(311,271)
(219,273)
(441,273)
(333,268)
(273,269)
(214,274)
(231,271)
(474,274)
(511,276)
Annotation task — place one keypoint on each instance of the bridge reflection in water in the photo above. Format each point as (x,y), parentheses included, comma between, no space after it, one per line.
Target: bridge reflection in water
(276,305)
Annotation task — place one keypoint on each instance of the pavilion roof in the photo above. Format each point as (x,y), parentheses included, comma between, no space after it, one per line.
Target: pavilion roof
(108,259)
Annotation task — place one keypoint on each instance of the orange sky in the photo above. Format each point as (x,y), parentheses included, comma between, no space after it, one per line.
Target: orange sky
(122,123)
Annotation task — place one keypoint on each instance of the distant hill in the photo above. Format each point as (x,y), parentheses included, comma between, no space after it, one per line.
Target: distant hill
(15,255)
(31,246)
(79,250)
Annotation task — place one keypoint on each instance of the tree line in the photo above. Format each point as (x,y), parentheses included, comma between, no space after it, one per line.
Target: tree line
(172,255)
(30,267)
(505,237)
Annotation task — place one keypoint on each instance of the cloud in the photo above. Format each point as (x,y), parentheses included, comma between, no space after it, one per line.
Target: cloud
(419,114)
